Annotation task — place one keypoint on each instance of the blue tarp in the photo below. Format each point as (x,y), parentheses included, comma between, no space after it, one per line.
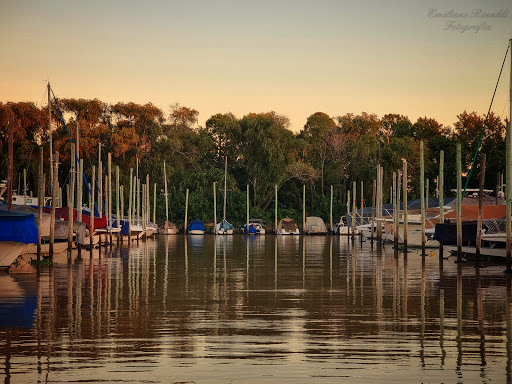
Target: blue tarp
(196,225)
(18,227)
(252,229)
(124,227)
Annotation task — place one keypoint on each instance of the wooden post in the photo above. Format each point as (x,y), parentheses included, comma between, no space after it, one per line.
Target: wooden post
(441,186)
(50,134)
(130,198)
(406,224)
(275,210)
(395,215)
(110,223)
(91,208)
(10,179)
(40,200)
(214,207)
(121,198)
(427,192)
(138,203)
(55,184)
(100,186)
(509,173)
(247,223)
(148,206)
(118,198)
(372,230)
(186,211)
(225,186)
(24,186)
(398,184)
(79,183)
(349,206)
(379,203)
(134,200)
(354,208)
(106,190)
(154,203)
(459,204)
(143,206)
(330,210)
(362,203)
(422,196)
(304,208)
(508,199)
(480,209)
(71,203)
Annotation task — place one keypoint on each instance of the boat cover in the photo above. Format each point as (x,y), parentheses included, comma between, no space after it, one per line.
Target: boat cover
(446,233)
(315,225)
(17,227)
(252,229)
(288,225)
(196,225)
(63,214)
(225,226)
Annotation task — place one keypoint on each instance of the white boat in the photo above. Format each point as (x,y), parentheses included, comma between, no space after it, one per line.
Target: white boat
(287,226)
(151,228)
(340,228)
(224,228)
(168,228)
(257,224)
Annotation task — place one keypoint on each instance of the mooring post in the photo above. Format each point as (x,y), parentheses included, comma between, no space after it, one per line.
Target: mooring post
(422,196)
(40,202)
(480,209)
(459,204)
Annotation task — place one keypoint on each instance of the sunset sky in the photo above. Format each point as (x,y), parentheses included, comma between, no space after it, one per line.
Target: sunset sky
(294,57)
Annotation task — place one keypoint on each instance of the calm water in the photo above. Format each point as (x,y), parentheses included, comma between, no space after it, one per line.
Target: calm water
(266,309)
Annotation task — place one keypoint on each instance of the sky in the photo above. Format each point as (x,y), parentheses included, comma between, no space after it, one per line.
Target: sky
(294,57)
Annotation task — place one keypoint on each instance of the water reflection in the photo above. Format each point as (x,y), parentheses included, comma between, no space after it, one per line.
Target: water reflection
(212,308)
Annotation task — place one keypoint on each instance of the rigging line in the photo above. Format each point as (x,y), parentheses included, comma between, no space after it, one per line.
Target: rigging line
(76,157)
(485,124)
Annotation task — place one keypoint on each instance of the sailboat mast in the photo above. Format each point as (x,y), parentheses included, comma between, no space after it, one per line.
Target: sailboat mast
(50,133)
(225,184)
(165,192)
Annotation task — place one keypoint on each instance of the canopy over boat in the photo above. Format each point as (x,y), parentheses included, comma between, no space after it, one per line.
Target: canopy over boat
(287,225)
(315,225)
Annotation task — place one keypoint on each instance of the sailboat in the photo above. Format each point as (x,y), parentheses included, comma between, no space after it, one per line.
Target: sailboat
(167,228)
(224,227)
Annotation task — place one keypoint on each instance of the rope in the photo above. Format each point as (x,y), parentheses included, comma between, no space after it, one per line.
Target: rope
(485,124)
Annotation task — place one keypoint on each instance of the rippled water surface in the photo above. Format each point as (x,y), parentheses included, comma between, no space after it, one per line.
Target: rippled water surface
(263,309)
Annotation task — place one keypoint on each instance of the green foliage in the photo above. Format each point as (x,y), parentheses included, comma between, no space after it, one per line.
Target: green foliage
(261,151)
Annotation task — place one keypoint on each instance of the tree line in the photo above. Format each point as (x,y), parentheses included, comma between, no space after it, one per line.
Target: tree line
(261,149)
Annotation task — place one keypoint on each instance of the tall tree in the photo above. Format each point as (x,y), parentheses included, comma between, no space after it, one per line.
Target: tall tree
(268,147)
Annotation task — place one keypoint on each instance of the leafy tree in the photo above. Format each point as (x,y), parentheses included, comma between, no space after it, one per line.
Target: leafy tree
(267,147)
(226,133)
(318,133)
